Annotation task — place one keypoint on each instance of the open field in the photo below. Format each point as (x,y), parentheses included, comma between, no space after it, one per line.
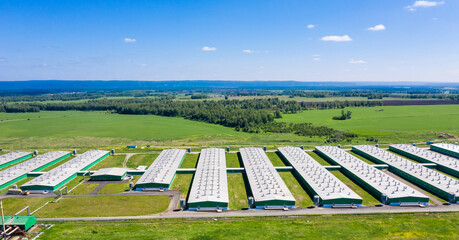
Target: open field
(182,182)
(13,205)
(399,123)
(105,206)
(377,226)
(275,159)
(232,160)
(299,193)
(190,161)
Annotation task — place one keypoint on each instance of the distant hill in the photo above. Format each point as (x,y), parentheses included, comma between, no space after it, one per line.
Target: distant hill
(50,85)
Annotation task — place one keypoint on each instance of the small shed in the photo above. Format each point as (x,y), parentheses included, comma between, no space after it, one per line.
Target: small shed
(23,222)
(109,174)
(132,146)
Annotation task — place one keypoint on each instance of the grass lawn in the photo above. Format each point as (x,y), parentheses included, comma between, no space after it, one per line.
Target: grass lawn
(275,159)
(74,182)
(182,182)
(299,193)
(399,122)
(109,162)
(105,206)
(13,205)
(319,159)
(141,160)
(237,192)
(85,188)
(232,160)
(190,161)
(376,226)
(112,188)
(368,199)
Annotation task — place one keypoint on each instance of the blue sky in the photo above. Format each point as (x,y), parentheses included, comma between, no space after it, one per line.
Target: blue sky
(377,40)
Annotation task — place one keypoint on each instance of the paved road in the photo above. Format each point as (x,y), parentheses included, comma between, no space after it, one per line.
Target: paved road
(259,212)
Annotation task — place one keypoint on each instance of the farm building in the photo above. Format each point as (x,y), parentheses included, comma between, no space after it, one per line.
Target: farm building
(438,183)
(318,180)
(61,175)
(209,189)
(14,174)
(388,189)
(444,163)
(109,174)
(267,187)
(13,157)
(446,148)
(23,222)
(162,171)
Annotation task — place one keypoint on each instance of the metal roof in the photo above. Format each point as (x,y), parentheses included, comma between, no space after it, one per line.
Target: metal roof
(110,171)
(265,182)
(20,169)
(6,158)
(377,179)
(66,170)
(430,156)
(210,182)
(448,147)
(429,176)
(163,169)
(324,183)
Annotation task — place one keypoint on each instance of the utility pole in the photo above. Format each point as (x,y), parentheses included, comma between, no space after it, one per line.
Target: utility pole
(3,220)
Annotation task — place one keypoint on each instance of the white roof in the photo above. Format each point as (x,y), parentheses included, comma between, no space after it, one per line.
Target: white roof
(447,146)
(265,182)
(109,171)
(9,157)
(377,179)
(163,169)
(210,182)
(22,168)
(324,183)
(66,170)
(430,156)
(434,178)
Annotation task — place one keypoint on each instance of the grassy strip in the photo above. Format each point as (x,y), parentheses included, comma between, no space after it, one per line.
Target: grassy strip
(237,192)
(299,193)
(320,160)
(141,160)
(110,162)
(232,160)
(190,161)
(105,206)
(275,159)
(368,199)
(85,188)
(182,182)
(374,226)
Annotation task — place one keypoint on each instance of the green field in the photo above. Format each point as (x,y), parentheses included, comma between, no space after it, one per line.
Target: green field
(103,206)
(275,159)
(377,226)
(232,160)
(190,161)
(110,162)
(301,196)
(236,191)
(182,182)
(399,123)
(12,205)
(141,160)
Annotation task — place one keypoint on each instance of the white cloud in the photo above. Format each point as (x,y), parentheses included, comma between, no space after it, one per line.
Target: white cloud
(130,40)
(378,27)
(316,59)
(44,65)
(344,38)
(424,4)
(207,49)
(356,61)
(247,51)
(143,65)
(310,26)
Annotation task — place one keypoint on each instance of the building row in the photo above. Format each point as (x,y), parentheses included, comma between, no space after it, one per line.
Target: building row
(13,157)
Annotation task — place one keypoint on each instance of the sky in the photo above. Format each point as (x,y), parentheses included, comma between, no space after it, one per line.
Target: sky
(301,40)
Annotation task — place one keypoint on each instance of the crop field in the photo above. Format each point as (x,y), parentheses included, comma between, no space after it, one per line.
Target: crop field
(376,226)
(394,122)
